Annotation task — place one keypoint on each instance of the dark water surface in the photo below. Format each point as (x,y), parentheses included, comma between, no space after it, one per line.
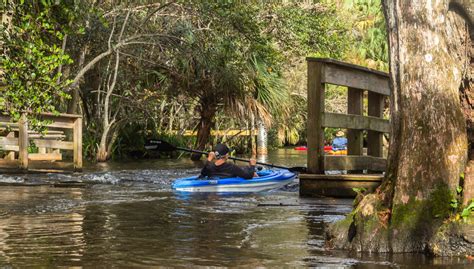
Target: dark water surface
(127,216)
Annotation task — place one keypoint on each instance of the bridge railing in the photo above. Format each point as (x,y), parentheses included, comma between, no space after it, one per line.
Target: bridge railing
(357,79)
(16,139)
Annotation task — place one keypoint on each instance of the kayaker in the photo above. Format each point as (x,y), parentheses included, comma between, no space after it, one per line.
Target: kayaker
(217,165)
(340,142)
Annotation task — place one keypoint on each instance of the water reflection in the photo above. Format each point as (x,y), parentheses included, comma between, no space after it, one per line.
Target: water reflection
(129,217)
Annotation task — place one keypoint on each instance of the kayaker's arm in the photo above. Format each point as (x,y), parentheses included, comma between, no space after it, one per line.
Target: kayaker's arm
(245,172)
(205,171)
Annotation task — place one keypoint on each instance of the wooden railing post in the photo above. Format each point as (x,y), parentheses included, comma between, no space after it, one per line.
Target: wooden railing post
(354,106)
(77,141)
(374,139)
(315,138)
(23,142)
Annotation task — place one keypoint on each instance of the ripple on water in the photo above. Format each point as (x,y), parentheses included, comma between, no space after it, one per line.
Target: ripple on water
(160,178)
(11,179)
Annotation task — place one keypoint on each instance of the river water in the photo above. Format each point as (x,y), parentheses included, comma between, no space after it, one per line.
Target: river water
(126,215)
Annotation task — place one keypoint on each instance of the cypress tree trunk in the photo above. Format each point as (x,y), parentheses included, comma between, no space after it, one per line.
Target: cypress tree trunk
(428,145)
(467,101)
(427,62)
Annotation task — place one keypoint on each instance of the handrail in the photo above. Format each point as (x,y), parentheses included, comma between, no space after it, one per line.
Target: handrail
(357,79)
(347,65)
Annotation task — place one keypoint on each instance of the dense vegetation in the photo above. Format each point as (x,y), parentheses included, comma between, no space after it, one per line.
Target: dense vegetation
(145,68)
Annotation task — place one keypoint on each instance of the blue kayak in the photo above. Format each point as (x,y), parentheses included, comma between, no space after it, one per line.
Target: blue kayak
(266,180)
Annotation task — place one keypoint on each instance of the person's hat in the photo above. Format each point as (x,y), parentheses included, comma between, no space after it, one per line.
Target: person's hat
(221,150)
(340,133)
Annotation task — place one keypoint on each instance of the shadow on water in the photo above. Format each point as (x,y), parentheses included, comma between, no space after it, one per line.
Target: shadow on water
(127,216)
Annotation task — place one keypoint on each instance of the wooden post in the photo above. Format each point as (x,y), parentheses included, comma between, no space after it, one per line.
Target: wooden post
(77,144)
(355,138)
(374,139)
(23,142)
(355,107)
(315,155)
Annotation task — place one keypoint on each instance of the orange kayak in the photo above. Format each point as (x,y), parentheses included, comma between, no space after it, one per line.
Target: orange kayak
(337,152)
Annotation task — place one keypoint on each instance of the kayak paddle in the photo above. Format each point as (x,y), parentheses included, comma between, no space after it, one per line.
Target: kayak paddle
(160,145)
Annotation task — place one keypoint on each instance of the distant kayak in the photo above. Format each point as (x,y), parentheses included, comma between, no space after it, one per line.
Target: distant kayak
(266,180)
(326,148)
(301,148)
(337,152)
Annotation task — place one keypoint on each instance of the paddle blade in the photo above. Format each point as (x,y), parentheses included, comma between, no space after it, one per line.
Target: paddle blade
(160,145)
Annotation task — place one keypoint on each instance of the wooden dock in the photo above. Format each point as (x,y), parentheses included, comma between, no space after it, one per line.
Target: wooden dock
(337,185)
(23,149)
(360,166)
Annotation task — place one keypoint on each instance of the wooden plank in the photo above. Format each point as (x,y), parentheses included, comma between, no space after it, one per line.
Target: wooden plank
(48,132)
(354,106)
(357,122)
(354,78)
(10,148)
(61,124)
(315,137)
(45,157)
(8,141)
(9,163)
(334,188)
(77,146)
(23,142)
(354,163)
(60,115)
(31,132)
(51,165)
(55,144)
(52,136)
(63,121)
(7,124)
(374,138)
(343,177)
(348,65)
(56,124)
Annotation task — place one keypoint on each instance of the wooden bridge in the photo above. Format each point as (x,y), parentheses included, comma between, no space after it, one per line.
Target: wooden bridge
(360,164)
(24,149)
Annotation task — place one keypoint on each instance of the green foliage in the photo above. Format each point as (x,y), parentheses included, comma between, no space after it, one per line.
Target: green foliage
(459,211)
(192,57)
(468,210)
(361,190)
(30,61)
(89,145)
(370,34)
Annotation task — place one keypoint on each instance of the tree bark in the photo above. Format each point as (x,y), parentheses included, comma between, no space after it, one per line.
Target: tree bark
(430,61)
(467,102)
(74,102)
(108,118)
(428,145)
(207,113)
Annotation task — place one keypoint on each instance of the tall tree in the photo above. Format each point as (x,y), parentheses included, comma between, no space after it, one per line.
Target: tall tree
(31,56)
(429,57)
